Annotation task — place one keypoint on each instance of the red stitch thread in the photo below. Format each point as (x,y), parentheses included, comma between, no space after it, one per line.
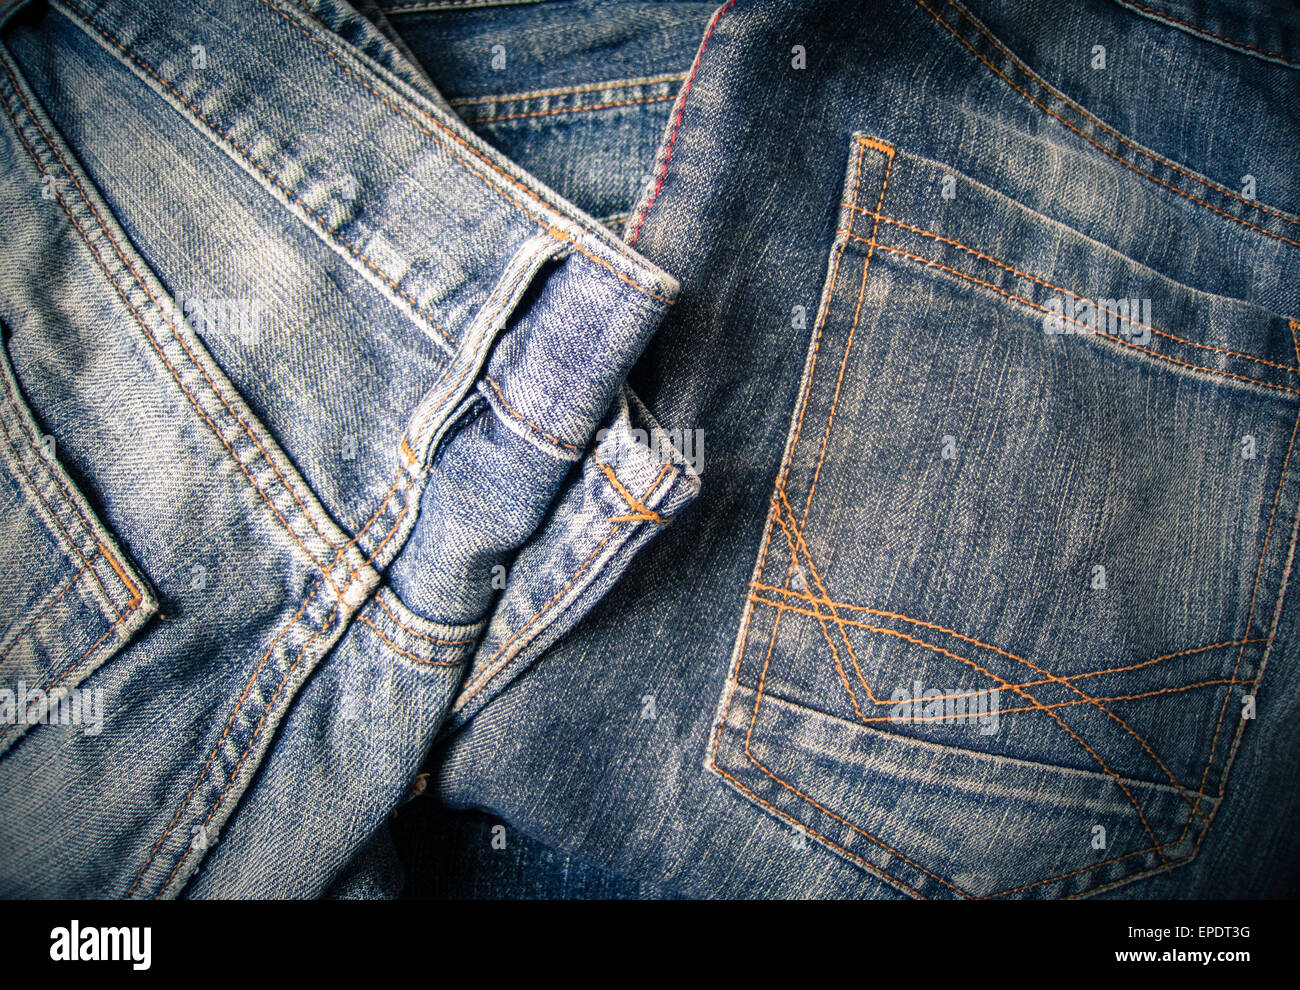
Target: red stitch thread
(677,122)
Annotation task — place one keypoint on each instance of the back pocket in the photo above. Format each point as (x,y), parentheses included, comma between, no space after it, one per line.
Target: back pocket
(69,599)
(1024,556)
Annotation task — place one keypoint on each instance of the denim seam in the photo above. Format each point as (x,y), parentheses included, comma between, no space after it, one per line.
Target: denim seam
(68,541)
(1106,129)
(539,94)
(52,598)
(489,672)
(1145,351)
(233,775)
(644,211)
(562,110)
(546,223)
(1196,29)
(1294,369)
(774,518)
(163,313)
(970,639)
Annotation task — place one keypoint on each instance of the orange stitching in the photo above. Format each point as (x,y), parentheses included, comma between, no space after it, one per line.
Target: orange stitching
(1118,780)
(175,333)
(247,687)
(1197,29)
(857,313)
(1091,140)
(1115,134)
(870,868)
(470,148)
(117,250)
(783,474)
(952,632)
(283,680)
(538,94)
(640,510)
(787,461)
(415,632)
(75,664)
(407,653)
(523,419)
(45,608)
(17,462)
(547,113)
(1052,677)
(234,775)
(1100,333)
(488,673)
(758,700)
(136,596)
(1034,278)
(1268,533)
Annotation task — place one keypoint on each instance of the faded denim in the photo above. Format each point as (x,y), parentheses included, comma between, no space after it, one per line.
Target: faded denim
(957,343)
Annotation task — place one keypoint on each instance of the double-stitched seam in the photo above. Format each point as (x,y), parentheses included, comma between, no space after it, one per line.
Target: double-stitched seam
(270,177)
(803,550)
(55,681)
(564,236)
(1259,568)
(1092,330)
(560,110)
(78,662)
(1193,815)
(415,632)
(638,507)
(407,653)
(253,679)
(677,121)
(561,235)
(888,152)
(753,759)
(175,333)
(31,623)
(1106,128)
(1197,29)
(539,94)
(930,625)
(1093,141)
(863,144)
(234,775)
(491,668)
(68,538)
(544,434)
(1294,369)
(805,596)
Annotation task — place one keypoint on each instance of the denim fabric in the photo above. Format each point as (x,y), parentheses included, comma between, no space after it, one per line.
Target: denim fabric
(985,592)
(358,359)
(316,501)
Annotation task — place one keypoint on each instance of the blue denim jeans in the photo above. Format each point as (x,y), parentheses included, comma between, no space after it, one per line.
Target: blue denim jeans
(957,342)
